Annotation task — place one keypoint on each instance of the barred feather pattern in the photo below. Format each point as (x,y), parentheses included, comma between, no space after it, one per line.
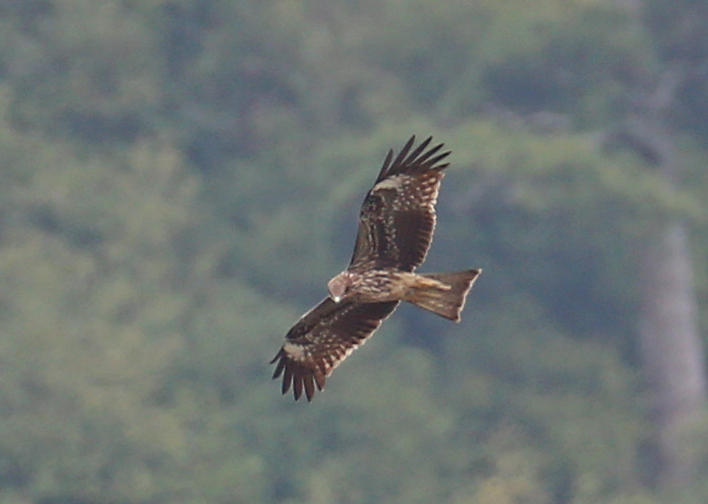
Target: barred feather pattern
(397,218)
(322,339)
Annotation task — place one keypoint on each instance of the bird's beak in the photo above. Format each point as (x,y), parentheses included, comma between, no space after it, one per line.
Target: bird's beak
(336,299)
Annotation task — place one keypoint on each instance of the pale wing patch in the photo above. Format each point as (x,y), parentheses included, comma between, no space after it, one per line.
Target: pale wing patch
(394,182)
(296,352)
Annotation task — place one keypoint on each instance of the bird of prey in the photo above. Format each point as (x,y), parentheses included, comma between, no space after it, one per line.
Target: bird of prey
(396,227)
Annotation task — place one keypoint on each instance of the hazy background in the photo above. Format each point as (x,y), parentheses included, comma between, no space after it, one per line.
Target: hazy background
(180,178)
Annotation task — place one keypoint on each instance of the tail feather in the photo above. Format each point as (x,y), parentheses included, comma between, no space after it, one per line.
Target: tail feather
(446,295)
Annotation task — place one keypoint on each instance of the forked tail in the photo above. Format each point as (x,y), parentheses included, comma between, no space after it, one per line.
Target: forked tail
(446,294)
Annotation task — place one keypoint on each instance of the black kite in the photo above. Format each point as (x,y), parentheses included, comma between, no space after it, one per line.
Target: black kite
(396,227)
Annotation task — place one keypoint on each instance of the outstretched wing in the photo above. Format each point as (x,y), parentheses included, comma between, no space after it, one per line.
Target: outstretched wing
(397,217)
(322,339)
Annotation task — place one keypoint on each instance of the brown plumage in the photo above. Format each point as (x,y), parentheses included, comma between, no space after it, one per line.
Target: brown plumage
(396,227)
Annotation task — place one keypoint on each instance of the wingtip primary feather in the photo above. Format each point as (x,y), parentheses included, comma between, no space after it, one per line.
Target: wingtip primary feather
(300,378)
(281,364)
(419,157)
(404,151)
(309,387)
(414,161)
(297,386)
(433,162)
(385,166)
(413,155)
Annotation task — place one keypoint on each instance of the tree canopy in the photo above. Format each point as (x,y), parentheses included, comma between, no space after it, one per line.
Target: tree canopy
(182,177)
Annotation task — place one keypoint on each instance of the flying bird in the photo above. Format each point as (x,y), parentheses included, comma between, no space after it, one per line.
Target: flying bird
(396,227)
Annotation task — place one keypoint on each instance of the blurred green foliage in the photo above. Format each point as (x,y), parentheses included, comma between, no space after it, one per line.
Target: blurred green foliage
(181,177)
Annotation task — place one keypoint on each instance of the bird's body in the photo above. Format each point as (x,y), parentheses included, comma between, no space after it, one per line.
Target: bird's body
(396,226)
(372,286)
(378,285)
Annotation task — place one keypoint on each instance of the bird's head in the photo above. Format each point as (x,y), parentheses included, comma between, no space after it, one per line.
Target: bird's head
(339,286)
